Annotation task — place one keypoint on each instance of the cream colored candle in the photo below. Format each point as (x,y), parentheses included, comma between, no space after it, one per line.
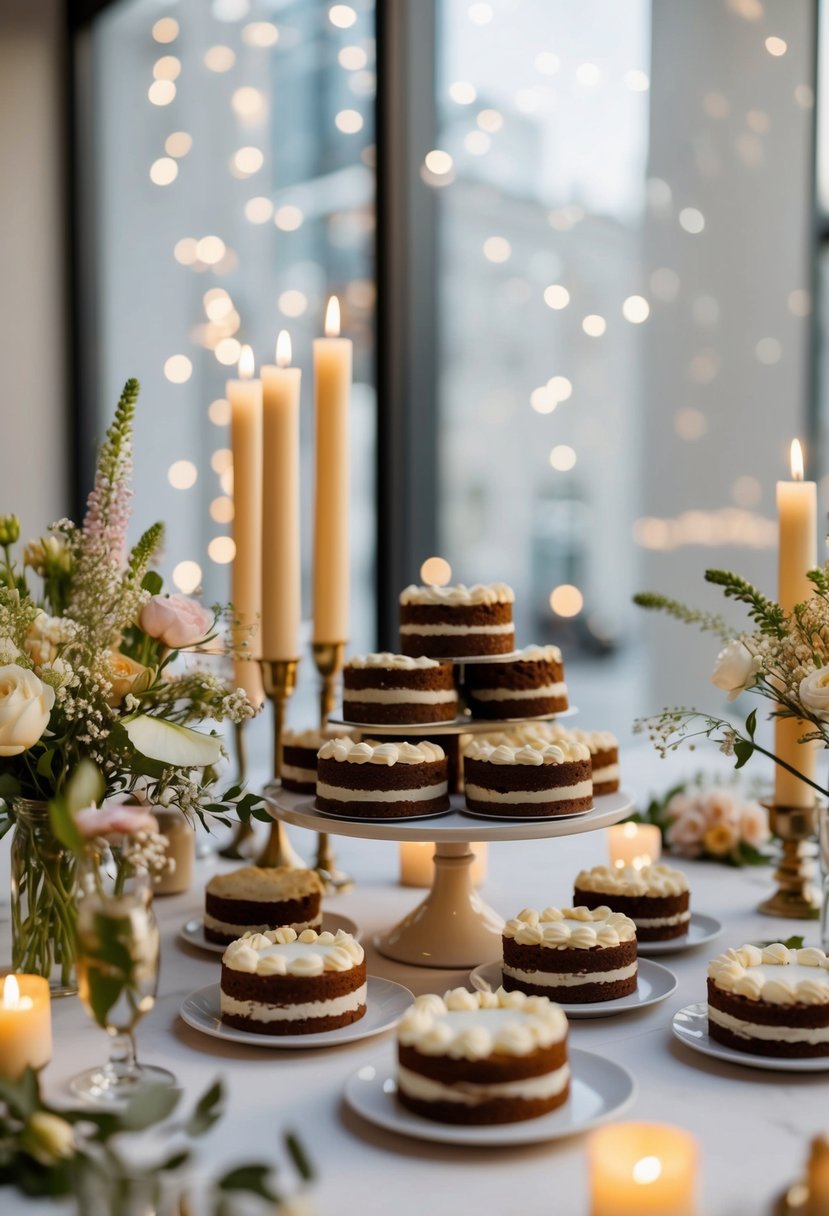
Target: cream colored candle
(642,1169)
(332,393)
(281,569)
(797,554)
(417,866)
(25,1024)
(634,844)
(245,397)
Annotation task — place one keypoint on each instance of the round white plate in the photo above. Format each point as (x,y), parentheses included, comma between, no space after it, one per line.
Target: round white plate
(599,1090)
(656,983)
(192,931)
(700,930)
(462,725)
(386,1002)
(690,1026)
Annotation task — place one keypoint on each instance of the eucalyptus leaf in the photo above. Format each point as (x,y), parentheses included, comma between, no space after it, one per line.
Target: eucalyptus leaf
(250,1178)
(207,1112)
(150,1106)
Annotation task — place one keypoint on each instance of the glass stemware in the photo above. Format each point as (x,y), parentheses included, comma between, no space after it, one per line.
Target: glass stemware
(118,949)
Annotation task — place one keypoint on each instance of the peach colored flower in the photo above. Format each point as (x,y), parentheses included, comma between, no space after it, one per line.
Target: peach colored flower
(175,620)
(126,676)
(720,807)
(754,824)
(720,839)
(114,819)
(686,831)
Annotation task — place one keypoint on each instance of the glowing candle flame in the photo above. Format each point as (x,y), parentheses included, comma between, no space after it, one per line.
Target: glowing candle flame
(283,349)
(332,318)
(647,1170)
(797,460)
(247,364)
(11,992)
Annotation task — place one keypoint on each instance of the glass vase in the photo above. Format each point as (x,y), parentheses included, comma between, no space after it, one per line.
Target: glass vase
(42,904)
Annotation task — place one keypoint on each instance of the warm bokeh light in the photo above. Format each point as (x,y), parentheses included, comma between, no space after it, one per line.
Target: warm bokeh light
(219,412)
(799,302)
(768,351)
(168,67)
(477,143)
(352,58)
(182,474)
(163,171)
(186,251)
(247,161)
(776,46)
(480,13)
(342,15)
(288,218)
(222,458)
(260,34)
(588,75)
(219,58)
(165,30)
(221,550)
(332,318)
(283,349)
(438,162)
(690,424)
(226,480)
(556,296)
(221,510)
(563,458)
(210,250)
(293,303)
(349,121)
(594,325)
(692,220)
(646,1170)
(248,102)
(258,210)
(217,304)
(497,249)
(566,600)
(228,351)
(462,92)
(436,572)
(636,309)
(178,144)
(178,369)
(543,400)
(187,577)
(161,92)
(490,121)
(560,387)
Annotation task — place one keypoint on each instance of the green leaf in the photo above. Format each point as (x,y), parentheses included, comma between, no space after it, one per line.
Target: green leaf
(21,1096)
(172,744)
(207,1111)
(795,942)
(297,1153)
(751,723)
(743,750)
(152,582)
(250,1178)
(150,1106)
(174,1162)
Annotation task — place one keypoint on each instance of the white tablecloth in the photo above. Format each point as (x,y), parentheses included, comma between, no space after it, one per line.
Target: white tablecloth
(753,1125)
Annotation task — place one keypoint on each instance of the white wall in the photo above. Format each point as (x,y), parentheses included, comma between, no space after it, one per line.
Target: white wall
(33,401)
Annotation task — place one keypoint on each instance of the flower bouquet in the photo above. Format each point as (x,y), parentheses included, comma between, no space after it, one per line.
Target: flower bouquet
(711,822)
(88,644)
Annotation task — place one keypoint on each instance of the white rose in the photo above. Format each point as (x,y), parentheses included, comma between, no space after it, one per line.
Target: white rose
(25,705)
(735,669)
(814,693)
(754,824)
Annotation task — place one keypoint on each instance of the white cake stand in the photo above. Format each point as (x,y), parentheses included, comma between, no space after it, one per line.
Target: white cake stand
(452,927)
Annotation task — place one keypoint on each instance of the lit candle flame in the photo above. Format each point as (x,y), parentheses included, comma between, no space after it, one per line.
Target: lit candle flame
(247,364)
(332,318)
(647,1170)
(11,992)
(797,460)
(283,349)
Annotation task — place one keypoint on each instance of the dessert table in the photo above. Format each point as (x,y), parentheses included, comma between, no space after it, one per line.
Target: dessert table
(753,1125)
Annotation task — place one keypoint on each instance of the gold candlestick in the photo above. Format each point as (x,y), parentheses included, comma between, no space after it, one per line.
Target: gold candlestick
(328,658)
(235,849)
(796,898)
(279,680)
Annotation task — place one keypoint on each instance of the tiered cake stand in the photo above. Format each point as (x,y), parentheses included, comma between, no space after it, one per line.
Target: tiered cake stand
(452,927)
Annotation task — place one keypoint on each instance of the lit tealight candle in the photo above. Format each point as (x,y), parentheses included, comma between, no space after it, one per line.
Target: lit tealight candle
(417,867)
(634,844)
(25,1024)
(642,1169)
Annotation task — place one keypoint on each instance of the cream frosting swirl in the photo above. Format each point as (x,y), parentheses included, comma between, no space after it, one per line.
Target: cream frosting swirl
(459,595)
(372,752)
(596,740)
(743,972)
(385,659)
(537,654)
(570,928)
(283,951)
(527,753)
(430,1028)
(650,880)
(302,738)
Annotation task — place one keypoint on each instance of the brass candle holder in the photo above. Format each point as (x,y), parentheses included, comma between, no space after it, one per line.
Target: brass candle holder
(279,680)
(239,846)
(328,659)
(796,897)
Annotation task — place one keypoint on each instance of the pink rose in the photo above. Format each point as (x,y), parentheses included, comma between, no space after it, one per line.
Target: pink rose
(721,807)
(754,824)
(175,620)
(114,819)
(686,832)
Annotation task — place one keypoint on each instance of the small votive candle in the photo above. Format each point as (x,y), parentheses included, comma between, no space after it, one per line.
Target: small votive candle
(417,867)
(25,1024)
(642,1169)
(634,844)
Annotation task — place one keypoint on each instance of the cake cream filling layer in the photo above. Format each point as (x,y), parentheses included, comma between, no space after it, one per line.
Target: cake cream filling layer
(467,1093)
(582,789)
(456,630)
(771,1034)
(392,696)
(294,773)
(520,694)
(610,772)
(567,979)
(657,922)
(221,926)
(258,1011)
(420,793)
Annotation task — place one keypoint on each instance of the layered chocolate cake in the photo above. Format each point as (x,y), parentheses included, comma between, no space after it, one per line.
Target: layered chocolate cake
(398,690)
(371,780)
(299,760)
(255,900)
(575,955)
(656,898)
(771,1002)
(448,622)
(527,781)
(281,983)
(482,1057)
(527,686)
(604,755)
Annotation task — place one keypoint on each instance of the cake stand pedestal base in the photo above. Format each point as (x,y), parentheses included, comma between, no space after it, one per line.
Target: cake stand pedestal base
(452,927)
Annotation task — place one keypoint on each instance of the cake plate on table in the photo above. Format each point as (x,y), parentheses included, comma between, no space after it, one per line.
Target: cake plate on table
(452,927)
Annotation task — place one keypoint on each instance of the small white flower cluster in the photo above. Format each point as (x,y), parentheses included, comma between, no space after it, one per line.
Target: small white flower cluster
(149,853)
(236,707)
(715,823)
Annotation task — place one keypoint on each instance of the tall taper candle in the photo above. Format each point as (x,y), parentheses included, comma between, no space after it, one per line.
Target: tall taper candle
(245,397)
(281,595)
(332,393)
(797,554)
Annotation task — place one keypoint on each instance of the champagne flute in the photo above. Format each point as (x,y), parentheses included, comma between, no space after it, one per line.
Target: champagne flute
(118,946)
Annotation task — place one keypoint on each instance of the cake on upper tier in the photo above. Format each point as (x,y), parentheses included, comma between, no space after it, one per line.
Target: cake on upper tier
(527,686)
(575,955)
(482,1057)
(372,780)
(445,622)
(299,760)
(772,1002)
(399,690)
(604,755)
(255,899)
(527,782)
(656,898)
(281,983)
